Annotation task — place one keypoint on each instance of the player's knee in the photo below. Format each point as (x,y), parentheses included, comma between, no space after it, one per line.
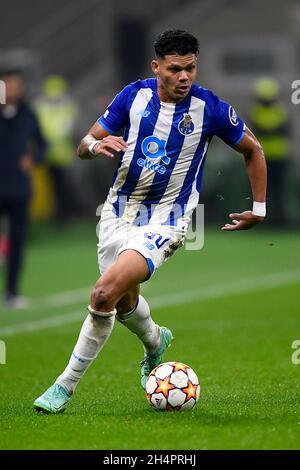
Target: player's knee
(102,298)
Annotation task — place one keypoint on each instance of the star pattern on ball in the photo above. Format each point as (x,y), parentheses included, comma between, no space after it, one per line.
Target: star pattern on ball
(180,366)
(164,386)
(191,391)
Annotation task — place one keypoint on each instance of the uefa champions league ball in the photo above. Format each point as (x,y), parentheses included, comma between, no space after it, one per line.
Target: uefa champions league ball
(172,386)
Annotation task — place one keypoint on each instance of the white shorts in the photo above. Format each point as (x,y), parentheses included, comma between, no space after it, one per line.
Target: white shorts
(155,242)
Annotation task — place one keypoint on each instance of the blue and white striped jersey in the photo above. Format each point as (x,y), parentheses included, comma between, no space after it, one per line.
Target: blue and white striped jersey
(167,143)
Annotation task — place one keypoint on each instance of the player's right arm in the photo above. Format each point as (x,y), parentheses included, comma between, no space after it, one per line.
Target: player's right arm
(98,142)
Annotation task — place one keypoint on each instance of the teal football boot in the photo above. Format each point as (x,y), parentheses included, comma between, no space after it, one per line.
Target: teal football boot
(53,401)
(152,360)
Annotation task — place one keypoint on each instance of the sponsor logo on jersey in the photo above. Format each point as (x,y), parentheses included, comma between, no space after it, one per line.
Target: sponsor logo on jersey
(154,148)
(233,116)
(186,125)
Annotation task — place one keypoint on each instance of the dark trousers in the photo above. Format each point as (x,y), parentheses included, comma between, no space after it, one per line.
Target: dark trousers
(16,211)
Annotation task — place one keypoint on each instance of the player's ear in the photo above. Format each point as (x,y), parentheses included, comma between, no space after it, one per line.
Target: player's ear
(155,67)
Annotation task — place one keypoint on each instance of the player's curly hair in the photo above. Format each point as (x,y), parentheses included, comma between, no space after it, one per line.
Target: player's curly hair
(176,41)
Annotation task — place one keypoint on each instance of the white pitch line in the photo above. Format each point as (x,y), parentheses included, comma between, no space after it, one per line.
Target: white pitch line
(43,323)
(216,291)
(227,289)
(61,299)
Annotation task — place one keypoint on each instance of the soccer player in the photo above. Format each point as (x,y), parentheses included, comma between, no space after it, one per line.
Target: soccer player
(169,122)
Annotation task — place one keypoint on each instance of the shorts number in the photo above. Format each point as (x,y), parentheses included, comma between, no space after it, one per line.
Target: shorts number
(157,239)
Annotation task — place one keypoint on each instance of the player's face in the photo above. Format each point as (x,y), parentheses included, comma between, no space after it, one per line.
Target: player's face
(175,76)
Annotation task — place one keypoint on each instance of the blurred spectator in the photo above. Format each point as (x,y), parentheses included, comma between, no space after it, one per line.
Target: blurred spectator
(270,123)
(21,144)
(57,113)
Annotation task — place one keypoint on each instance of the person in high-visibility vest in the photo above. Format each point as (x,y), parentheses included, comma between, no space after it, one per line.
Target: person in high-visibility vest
(57,113)
(269,121)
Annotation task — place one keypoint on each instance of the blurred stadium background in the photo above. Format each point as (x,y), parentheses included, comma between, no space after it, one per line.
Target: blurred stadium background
(101,46)
(240,293)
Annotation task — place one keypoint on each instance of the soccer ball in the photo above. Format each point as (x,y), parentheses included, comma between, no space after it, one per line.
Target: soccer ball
(172,386)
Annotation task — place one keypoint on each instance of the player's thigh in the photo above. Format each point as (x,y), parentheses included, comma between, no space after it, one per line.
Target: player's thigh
(129,270)
(122,277)
(112,232)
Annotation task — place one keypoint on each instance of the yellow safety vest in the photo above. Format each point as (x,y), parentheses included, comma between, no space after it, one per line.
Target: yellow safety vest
(268,121)
(57,121)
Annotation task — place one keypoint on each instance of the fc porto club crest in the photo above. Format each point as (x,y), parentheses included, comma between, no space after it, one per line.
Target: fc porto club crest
(186,125)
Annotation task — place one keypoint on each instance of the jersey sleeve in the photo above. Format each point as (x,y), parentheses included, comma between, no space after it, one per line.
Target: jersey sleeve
(117,113)
(226,124)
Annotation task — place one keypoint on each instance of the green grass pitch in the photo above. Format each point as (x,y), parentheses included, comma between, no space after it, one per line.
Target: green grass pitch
(234,310)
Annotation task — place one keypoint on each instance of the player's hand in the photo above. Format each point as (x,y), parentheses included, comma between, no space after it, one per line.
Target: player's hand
(26,163)
(110,145)
(242,221)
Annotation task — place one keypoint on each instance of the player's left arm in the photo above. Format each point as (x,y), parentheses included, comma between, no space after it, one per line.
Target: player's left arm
(102,142)
(257,173)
